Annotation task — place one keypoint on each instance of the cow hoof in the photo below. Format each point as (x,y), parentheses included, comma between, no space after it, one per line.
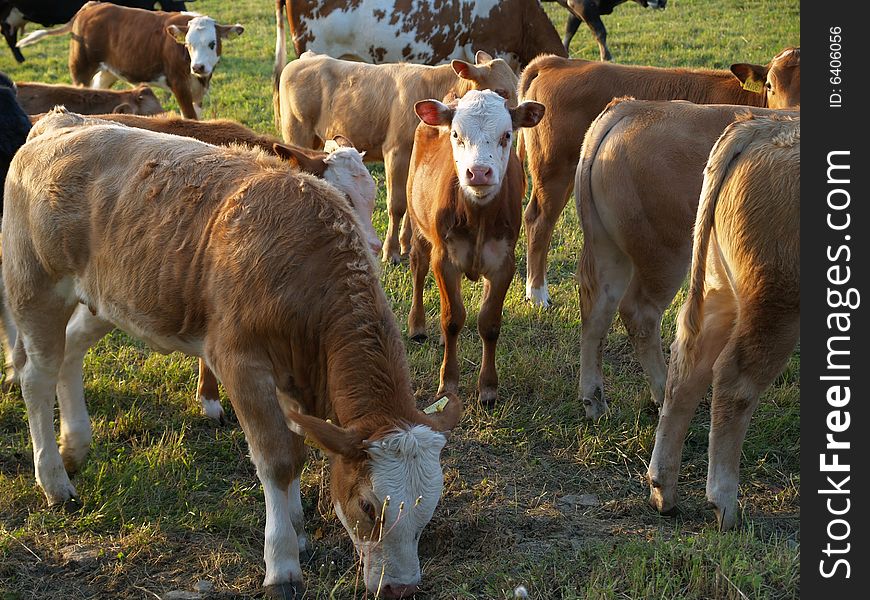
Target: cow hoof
(70,506)
(595,408)
(663,502)
(285,591)
(726,517)
(213,410)
(488,397)
(73,459)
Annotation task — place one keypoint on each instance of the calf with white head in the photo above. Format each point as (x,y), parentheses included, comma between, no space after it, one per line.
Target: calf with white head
(465,190)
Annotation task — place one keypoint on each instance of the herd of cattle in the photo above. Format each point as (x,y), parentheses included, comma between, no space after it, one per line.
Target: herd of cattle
(258,255)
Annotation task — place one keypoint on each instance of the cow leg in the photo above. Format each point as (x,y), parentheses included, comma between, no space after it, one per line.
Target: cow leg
(571,28)
(396,164)
(754,356)
(297,516)
(103,80)
(7,339)
(208,394)
(551,186)
(185,101)
(641,311)
(449,281)
(593,20)
(495,289)
(81,71)
(684,390)
(274,450)
(83,331)
(420,254)
(603,274)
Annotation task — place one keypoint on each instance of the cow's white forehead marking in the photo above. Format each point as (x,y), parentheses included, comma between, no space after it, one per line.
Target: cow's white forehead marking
(482,114)
(360,30)
(201,34)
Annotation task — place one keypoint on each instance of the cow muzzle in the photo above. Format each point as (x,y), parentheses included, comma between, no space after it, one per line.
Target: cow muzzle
(479,176)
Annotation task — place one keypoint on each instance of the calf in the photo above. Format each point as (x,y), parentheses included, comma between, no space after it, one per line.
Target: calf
(577,90)
(380,31)
(741,318)
(14,127)
(590,12)
(41,97)
(466,189)
(176,51)
(637,225)
(268,279)
(318,96)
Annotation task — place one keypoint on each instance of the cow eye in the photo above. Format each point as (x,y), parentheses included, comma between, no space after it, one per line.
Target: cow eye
(368,508)
(768,86)
(211,46)
(505,139)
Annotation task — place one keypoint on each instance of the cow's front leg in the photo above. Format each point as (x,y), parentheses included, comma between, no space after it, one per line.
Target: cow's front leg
(420,254)
(276,453)
(495,289)
(449,281)
(185,100)
(396,165)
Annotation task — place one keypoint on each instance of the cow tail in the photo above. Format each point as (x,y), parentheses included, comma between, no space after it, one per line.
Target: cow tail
(727,148)
(585,203)
(280,60)
(37,35)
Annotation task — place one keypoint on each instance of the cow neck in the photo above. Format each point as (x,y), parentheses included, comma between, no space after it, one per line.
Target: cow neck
(367,380)
(477,218)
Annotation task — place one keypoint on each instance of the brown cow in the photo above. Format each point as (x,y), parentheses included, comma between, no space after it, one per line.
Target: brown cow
(386,31)
(256,267)
(38,98)
(176,51)
(320,96)
(741,318)
(577,90)
(636,192)
(466,189)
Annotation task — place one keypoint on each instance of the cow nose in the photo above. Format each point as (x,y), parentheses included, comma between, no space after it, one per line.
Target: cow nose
(198,69)
(393,590)
(479,175)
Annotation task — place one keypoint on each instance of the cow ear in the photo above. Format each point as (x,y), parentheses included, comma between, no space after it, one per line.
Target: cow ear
(123,109)
(229,32)
(309,162)
(434,113)
(751,76)
(444,414)
(332,439)
(342,142)
(527,114)
(482,57)
(464,70)
(177,32)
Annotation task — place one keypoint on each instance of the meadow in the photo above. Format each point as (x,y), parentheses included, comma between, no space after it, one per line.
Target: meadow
(534,494)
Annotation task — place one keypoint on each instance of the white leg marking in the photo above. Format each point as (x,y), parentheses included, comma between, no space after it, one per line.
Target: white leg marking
(297,517)
(212,408)
(281,550)
(538,296)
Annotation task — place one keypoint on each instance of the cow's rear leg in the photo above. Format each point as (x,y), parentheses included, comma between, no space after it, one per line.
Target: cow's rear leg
(277,455)
(420,253)
(489,327)
(683,392)
(38,357)
(754,356)
(83,331)
(550,191)
(103,80)
(396,165)
(7,339)
(641,311)
(603,274)
(208,394)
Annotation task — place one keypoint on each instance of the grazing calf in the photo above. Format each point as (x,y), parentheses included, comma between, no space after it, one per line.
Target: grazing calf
(38,98)
(741,318)
(268,279)
(466,189)
(637,225)
(14,127)
(576,91)
(318,96)
(176,51)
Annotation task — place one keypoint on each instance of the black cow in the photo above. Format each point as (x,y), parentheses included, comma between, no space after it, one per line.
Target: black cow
(15,13)
(14,127)
(590,12)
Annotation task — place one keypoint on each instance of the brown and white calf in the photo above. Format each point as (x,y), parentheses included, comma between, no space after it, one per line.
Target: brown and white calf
(319,96)
(258,268)
(466,188)
(575,91)
(741,318)
(176,51)
(636,192)
(38,98)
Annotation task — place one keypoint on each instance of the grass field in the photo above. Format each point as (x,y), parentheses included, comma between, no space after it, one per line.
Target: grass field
(170,499)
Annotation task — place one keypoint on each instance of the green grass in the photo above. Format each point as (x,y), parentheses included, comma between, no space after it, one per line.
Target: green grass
(171,499)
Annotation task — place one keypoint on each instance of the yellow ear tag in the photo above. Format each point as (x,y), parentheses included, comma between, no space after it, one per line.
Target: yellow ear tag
(753,85)
(437,406)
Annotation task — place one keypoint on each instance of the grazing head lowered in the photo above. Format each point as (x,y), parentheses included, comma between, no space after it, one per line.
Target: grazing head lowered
(202,38)
(481,135)
(385,488)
